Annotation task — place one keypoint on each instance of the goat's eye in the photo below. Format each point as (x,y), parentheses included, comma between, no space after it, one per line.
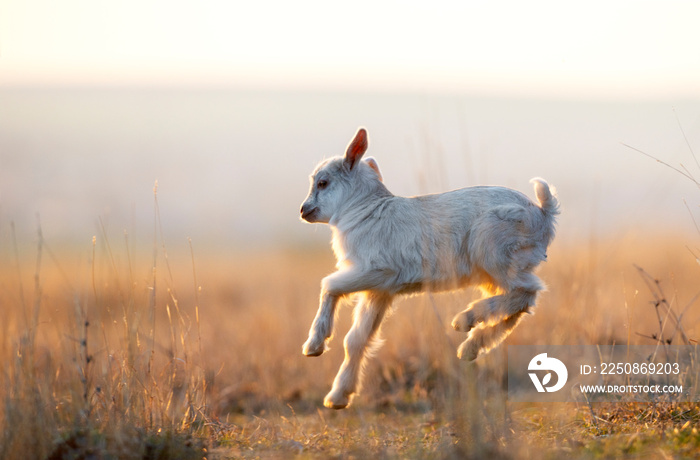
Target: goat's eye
(322,184)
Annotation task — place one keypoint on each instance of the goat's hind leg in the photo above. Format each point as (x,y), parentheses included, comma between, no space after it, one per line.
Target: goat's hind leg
(493,310)
(493,318)
(515,291)
(484,338)
(368,315)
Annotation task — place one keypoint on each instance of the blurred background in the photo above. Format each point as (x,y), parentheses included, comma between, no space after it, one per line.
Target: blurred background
(230,105)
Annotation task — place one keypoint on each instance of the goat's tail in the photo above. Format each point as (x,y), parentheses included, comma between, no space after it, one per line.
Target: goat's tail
(546,195)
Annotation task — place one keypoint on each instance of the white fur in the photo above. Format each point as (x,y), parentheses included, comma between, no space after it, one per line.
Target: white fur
(491,237)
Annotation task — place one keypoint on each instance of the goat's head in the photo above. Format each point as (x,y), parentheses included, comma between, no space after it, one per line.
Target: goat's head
(340,181)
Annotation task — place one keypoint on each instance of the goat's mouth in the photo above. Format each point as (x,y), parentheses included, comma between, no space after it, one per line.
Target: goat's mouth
(309,215)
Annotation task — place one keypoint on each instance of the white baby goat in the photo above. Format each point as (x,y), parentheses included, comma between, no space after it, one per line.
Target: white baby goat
(491,237)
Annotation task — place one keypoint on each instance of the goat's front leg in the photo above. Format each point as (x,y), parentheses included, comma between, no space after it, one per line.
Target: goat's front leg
(368,316)
(322,327)
(333,287)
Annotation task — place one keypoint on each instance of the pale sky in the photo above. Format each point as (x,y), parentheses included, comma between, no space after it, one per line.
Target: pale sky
(609,48)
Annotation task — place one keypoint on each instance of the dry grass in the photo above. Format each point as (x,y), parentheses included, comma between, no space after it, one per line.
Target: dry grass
(113,352)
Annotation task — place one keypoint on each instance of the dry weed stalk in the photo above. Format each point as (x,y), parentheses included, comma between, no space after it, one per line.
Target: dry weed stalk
(665,312)
(102,387)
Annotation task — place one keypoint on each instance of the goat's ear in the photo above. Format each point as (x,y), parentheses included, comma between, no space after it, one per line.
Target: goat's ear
(373,164)
(356,149)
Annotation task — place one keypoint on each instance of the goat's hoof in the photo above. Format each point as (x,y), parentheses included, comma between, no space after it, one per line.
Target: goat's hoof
(463,322)
(468,351)
(312,348)
(336,400)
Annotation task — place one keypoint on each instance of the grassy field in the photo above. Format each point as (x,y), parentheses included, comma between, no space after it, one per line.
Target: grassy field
(113,350)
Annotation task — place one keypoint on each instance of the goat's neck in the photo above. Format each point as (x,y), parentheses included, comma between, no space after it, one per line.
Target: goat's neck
(358,209)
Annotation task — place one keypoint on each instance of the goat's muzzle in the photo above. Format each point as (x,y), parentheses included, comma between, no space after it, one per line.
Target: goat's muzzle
(308,213)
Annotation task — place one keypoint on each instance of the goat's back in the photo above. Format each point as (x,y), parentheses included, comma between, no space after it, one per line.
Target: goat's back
(441,239)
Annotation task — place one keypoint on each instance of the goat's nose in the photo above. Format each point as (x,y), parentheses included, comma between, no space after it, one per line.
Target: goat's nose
(307,211)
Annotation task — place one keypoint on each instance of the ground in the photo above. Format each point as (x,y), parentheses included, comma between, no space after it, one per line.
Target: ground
(197,354)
